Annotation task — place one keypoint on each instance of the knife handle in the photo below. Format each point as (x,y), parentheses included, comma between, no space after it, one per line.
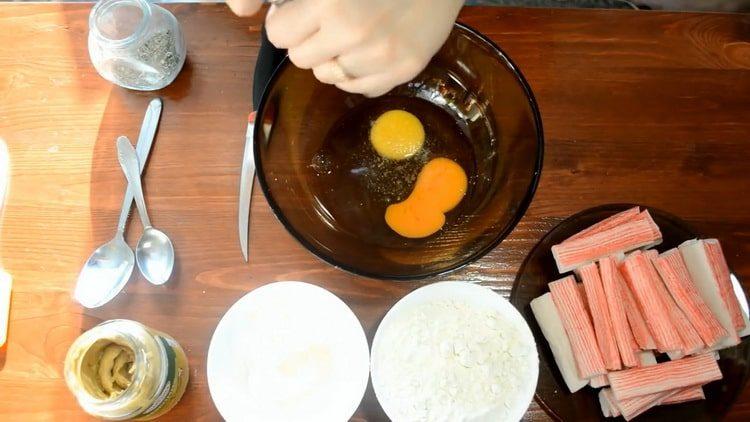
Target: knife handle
(269,58)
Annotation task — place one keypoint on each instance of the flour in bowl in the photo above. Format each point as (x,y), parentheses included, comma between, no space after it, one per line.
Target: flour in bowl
(449,360)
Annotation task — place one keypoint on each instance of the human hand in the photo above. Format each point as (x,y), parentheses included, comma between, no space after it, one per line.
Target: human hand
(244,7)
(361,46)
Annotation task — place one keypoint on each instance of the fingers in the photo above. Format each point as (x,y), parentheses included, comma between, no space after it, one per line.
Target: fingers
(380,83)
(370,59)
(330,72)
(316,50)
(370,86)
(292,23)
(244,7)
(361,46)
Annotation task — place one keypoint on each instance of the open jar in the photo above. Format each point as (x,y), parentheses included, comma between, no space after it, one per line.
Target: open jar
(122,369)
(135,44)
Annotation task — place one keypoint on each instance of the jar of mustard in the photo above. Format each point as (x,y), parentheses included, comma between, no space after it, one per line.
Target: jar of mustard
(122,369)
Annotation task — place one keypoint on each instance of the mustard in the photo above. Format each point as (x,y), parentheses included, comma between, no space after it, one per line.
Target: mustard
(122,369)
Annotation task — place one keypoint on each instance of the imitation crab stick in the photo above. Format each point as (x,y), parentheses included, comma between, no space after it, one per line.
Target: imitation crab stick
(686,372)
(640,404)
(691,340)
(584,299)
(607,223)
(674,272)
(550,323)
(685,395)
(721,271)
(626,344)
(567,299)
(710,288)
(647,358)
(607,403)
(637,405)
(599,381)
(631,408)
(638,232)
(635,269)
(637,322)
(597,300)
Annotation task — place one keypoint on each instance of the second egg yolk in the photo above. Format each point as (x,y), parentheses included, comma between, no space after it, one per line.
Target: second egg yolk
(397,135)
(440,186)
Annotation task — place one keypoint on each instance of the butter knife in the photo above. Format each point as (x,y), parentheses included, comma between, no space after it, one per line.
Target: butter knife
(142,150)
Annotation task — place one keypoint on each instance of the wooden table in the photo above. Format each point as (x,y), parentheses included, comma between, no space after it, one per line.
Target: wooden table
(644,107)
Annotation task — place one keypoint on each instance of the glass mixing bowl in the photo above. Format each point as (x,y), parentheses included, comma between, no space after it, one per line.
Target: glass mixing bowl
(330,189)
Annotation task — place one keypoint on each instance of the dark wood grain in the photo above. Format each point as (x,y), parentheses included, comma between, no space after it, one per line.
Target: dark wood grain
(644,107)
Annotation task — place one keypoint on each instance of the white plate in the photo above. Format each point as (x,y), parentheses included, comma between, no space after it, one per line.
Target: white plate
(288,351)
(476,297)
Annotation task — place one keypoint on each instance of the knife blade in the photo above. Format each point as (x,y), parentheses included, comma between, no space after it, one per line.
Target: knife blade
(142,150)
(269,57)
(247,178)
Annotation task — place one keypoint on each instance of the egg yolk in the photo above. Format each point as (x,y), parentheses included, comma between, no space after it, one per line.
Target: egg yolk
(397,134)
(440,186)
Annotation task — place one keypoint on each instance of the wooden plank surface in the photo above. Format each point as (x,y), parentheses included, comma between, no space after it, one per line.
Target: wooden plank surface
(643,107)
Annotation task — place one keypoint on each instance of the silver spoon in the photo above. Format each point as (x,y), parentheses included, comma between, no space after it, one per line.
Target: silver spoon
(154,253)
(109,267)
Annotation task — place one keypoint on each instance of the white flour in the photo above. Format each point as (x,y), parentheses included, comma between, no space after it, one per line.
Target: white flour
(450,361)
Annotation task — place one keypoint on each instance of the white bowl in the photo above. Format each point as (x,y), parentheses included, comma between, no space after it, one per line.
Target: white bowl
(288,351)
(477,298)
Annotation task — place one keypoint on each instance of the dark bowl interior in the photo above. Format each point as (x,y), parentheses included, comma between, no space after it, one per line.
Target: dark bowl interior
(330,189)
(552,394)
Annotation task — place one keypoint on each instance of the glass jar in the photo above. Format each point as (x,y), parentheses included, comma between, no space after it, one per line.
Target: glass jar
(135,44)
(122,369)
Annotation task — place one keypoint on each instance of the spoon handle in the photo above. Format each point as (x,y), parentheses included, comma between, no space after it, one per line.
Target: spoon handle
(142,149)
(129,163)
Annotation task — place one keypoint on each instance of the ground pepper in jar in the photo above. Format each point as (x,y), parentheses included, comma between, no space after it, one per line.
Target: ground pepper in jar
(135,44)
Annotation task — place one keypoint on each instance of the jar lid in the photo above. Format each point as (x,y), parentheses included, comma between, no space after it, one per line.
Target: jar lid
(119,21)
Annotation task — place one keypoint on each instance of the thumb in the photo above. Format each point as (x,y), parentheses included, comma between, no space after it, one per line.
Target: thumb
(244,8)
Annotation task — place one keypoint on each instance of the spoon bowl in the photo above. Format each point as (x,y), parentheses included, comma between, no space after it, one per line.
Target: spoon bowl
(155,255)
(107,270)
